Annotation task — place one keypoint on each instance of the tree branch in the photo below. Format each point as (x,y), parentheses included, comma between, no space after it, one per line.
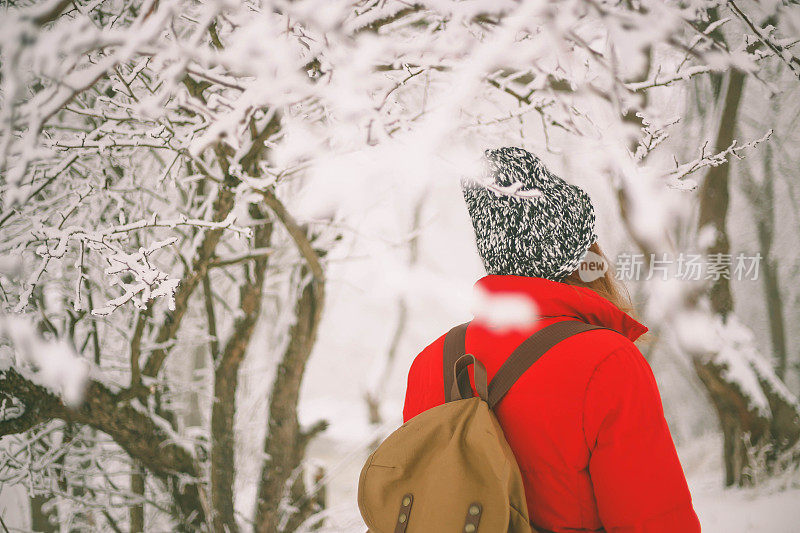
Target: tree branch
(223,205)
(297,233)
(205,251)
(130,427)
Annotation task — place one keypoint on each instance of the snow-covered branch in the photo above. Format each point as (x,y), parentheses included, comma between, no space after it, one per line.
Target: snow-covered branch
(677,176)
(781,52)
(662,80)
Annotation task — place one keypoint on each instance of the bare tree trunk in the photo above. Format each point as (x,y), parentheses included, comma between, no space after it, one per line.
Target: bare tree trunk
(714,200)
(762,199)
(774,304)
(286,442)
(737,417)
(44,512)
(194,411)
(742,424)
(714,195)
(136,512)
(226,380)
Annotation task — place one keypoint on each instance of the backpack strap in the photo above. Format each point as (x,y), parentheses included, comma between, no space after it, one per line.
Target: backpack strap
(527,353)
(454,348)
(462,388)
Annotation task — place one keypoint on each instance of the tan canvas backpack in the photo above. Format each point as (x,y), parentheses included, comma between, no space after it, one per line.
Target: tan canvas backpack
(450,469)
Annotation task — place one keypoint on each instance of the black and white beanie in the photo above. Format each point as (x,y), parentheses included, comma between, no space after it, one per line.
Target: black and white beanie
(528,221)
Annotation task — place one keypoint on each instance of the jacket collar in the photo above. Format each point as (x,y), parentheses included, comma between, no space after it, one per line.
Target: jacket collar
(554,299)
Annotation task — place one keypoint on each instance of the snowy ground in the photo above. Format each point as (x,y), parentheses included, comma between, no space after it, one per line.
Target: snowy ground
(745,511)
(761,510)
(720,510)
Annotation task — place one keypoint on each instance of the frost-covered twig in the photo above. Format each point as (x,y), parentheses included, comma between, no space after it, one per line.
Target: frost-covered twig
(663,80)
(44,105)
(653,136)
(780,51)
(106,236)
(148,281)
(677,176)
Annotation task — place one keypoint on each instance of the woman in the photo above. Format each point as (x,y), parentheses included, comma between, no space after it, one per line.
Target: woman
(585,422)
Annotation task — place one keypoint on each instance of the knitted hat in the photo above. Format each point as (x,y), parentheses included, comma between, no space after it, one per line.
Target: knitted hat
(528,221)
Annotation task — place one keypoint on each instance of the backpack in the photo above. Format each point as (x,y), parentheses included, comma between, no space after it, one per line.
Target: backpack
(450,469)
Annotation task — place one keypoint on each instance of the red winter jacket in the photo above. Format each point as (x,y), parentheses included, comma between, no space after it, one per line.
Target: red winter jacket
(585,422)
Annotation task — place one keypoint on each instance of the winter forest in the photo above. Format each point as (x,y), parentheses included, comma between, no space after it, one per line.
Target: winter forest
(227,227)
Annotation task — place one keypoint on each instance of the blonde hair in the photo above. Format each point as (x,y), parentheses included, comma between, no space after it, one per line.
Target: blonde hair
(606,285)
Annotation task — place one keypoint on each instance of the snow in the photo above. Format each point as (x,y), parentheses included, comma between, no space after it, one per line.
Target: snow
(747,511)
(739,350)
(733,510)
(52,364)
(148,282)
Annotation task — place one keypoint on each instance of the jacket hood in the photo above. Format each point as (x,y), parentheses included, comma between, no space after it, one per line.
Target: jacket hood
(556,299)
